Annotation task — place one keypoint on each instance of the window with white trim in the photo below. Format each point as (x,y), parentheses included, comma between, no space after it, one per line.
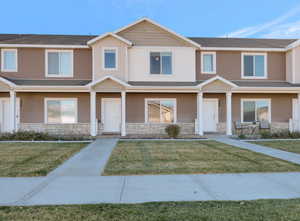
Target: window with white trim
(208,62)
(9,61)
(59,63)
(161,63)
(254,65)
(160,110)
(110,58)
(61,110)
(256,110)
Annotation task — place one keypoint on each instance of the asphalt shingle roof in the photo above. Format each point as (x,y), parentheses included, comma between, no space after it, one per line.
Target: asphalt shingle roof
(83,39)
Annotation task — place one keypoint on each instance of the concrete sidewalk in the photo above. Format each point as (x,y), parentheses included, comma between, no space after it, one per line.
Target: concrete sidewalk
(284,155)
(139,189)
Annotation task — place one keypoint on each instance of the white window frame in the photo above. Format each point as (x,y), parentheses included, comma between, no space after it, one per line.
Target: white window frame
(161,51)
(103,58)
(160,99)
(59,99)
(265,66)
(2,60)
(59,75)
(214,62)
(255,99)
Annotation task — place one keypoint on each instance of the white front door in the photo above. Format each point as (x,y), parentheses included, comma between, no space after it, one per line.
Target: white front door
(210,116)
(5,122)
(111,114)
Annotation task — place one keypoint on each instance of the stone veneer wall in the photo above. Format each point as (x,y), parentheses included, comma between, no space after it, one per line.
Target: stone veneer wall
(153,128)
(62,129)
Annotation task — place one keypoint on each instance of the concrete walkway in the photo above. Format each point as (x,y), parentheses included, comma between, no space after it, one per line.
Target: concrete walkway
(78,181)
(284,155)
(88,162)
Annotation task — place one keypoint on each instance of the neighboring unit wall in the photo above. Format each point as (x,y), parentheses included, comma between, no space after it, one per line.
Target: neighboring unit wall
(183,64)
(31,64)
(295,58)
(98,47)
(229,65)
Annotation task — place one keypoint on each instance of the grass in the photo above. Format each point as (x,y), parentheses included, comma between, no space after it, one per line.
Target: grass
(34,159)
(259,210)
(286,145)
(189,157)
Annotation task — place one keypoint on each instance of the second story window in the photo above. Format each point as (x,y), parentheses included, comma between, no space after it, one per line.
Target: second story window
(208,61)
(254,65)
(59,63)
(110,58)
(161,63)
(9,61)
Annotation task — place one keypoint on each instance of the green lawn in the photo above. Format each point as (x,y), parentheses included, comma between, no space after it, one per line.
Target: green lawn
(259,210)
(34,159)
(188,157)
(287,145)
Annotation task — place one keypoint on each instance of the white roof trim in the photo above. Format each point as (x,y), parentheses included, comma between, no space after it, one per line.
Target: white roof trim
(215,79)
(241,49)
(109,34)
(111,78)
(293,45)
(41,46)
(160,26)
(9,83)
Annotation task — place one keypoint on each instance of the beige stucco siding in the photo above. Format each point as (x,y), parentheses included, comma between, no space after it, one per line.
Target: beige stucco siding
(31,64)
(98,47)
(32,105)
(228,65)
(146,34)
(183,64)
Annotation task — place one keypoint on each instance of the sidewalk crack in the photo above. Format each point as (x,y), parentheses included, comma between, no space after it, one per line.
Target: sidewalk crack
(122,190)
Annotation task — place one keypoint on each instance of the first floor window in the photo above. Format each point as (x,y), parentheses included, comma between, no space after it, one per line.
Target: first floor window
(256,110)
(208,62)
(9,60)
(110,59)
(61,111)
(59,63)
(254,65)
(161,63)
(161,110)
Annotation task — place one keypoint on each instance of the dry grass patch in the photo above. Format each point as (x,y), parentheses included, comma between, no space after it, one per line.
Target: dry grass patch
(286,145)
(34,159)
(188,157)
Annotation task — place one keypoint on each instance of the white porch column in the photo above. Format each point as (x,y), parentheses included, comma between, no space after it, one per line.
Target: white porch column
(123,111)
(200,113)
(93,120)
(13,116)
(228,114)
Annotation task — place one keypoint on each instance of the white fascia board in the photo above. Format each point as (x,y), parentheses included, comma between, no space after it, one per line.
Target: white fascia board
(41,46)
(92,41)
(242,49)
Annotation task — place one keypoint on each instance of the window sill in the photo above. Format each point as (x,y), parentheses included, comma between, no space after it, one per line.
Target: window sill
(6,70)
(209,73)
(59,76)
(249,78)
